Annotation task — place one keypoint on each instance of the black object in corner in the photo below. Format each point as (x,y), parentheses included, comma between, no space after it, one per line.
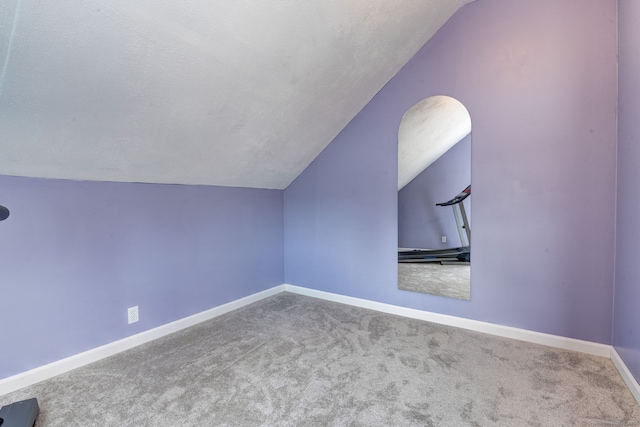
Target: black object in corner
(20,414)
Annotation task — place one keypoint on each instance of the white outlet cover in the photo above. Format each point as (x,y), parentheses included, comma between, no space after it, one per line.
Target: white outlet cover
(133,315)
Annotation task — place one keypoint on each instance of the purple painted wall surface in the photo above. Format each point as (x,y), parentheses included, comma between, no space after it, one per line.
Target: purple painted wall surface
(539,80)
(626,332)
(75,255)
(421,224)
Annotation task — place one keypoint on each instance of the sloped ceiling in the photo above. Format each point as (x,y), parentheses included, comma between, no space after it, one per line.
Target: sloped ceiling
(428,130)
(241,93)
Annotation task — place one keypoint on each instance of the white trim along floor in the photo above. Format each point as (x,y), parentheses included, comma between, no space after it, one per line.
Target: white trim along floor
(33,376)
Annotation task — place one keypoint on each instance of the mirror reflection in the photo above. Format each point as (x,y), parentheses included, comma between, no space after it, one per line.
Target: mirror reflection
(434,198)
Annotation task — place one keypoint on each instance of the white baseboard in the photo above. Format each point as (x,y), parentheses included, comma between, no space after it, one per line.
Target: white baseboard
(33,376)
(459,322)
(50,370)
(626,375)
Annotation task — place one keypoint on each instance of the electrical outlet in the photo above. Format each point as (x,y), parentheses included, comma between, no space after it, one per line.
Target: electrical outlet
(133,315)
(444,239)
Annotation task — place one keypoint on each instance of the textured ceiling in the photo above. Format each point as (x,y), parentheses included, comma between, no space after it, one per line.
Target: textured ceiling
(241,93)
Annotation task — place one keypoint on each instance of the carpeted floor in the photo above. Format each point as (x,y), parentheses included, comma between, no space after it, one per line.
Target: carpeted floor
(453,281)
(291,360)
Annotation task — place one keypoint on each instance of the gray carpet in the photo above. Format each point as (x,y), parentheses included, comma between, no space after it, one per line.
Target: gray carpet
(291,360)
(453,281)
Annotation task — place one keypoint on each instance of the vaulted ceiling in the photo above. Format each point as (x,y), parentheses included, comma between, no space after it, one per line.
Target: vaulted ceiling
(241,93)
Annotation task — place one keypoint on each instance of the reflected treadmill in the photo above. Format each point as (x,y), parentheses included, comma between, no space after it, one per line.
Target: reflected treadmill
(459,255)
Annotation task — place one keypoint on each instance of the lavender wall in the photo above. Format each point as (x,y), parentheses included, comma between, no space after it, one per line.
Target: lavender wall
(626,332)
(75,255)
(421,224)
(539,80)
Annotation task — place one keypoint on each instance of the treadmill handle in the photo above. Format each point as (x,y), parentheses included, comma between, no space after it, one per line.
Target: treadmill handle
(458,199)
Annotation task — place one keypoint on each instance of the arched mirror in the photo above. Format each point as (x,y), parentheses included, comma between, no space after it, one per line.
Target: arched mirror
(434,203)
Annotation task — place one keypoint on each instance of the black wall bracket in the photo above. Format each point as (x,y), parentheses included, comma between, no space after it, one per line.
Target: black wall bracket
(4,213)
